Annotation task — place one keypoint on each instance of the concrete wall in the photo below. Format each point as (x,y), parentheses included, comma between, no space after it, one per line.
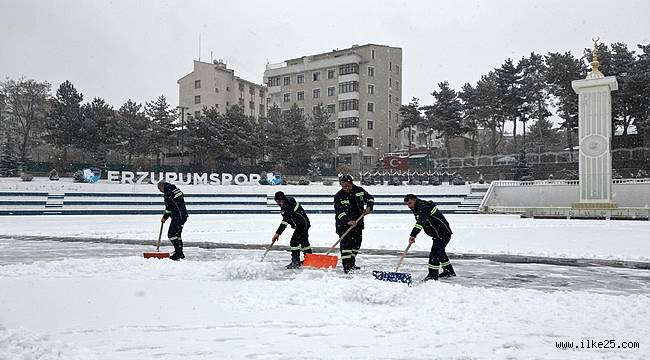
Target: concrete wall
(626,193)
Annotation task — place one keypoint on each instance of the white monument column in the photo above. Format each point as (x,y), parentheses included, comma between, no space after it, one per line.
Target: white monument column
(595,134)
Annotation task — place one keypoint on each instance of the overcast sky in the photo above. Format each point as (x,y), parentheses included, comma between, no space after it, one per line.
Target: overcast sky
(138,49)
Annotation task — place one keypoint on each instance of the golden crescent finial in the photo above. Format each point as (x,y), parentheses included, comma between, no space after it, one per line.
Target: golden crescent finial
(595,39)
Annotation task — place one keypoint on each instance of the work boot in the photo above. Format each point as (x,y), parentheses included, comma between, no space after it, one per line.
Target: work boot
(433,275)
(354,264)
(447,271)
(347,265)
(294,265)
(178,250)
(295,260)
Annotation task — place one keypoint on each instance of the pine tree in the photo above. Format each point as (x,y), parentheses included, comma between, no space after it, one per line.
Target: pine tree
(9,164)
(562,70)
(411,117)
(489,111)
(509,91)
(321,130)
(162,117)
(99,130)
(279,140)
(471,109)
(533,91)
(301,147)
(134,130)
(64,118)
(445,115)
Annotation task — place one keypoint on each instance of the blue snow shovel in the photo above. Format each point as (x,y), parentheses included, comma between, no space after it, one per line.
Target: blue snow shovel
(395,276)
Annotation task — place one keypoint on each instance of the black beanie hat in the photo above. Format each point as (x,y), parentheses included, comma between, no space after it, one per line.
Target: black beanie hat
(280,196)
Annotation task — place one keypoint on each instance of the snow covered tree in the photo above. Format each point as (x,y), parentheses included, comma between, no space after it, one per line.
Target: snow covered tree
(489,111)
(445,115)
(238,134)
(162,117)
(279,136)
(26,105)
(410,117)
(9,164)
(563,68)
(99,130)
(321,129)
(134,130)
(534,91)
(64,118)
(508,79)
(301,147)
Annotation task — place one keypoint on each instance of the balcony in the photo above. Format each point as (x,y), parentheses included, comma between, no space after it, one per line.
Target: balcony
(348,113)
(348,131)
(352,149)
(349,95)
(348,77)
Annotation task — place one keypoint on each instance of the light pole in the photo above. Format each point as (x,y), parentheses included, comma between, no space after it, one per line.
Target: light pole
(361,155)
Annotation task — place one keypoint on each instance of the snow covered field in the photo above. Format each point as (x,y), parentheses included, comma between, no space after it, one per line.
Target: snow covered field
(493,234)
(104,301)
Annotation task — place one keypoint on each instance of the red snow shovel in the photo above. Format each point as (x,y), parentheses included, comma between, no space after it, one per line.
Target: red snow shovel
(157,254)
(328,261)
(395,276)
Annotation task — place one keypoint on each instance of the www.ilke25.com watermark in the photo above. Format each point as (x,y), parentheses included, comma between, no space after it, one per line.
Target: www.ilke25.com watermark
(596,344)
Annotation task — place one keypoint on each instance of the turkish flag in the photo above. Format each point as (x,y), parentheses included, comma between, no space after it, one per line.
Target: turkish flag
(396,163)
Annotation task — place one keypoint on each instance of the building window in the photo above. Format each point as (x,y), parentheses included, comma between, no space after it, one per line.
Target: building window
(348,86)
(349,140)
(300,78)
(287,80)
(315,76)
(251,90)
(261,110)
(331,108)
(251,104)
(370,142)
(351,68)
(274,81)
(241,87)
(397,101)
(197,99)
(390,82)
(372,53)
(367,160)
(331,91)
(397,84)
(315,93)
(261,93)
(397,68)
(371,89)
(300,96)
(390,65)
(350,122)
(390,115)
(287,97)
(241,102)
(390,131)
(371,107)
(351,104)
(197,84)
(390,98)
(216,90)
(371,125)
(228,88)
(331,73)
(371,71)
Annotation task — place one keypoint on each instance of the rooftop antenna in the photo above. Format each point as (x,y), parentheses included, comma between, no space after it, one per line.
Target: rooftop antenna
(211,59)
(199,46)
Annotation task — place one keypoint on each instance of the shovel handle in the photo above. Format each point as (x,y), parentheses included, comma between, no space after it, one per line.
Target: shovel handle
(344,234)
(159,237)
(267,250)
(399,263)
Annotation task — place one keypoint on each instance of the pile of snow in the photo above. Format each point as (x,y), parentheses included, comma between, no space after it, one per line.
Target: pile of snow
(25,345)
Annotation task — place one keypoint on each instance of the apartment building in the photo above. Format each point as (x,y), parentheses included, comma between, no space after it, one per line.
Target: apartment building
(213,84)
(360,86)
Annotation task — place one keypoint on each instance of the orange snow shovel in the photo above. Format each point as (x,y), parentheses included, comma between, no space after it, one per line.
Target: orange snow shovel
(328,261)
(157,254)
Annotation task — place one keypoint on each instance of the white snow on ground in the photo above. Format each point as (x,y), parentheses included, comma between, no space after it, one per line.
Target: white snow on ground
(132,308)
(496,234)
